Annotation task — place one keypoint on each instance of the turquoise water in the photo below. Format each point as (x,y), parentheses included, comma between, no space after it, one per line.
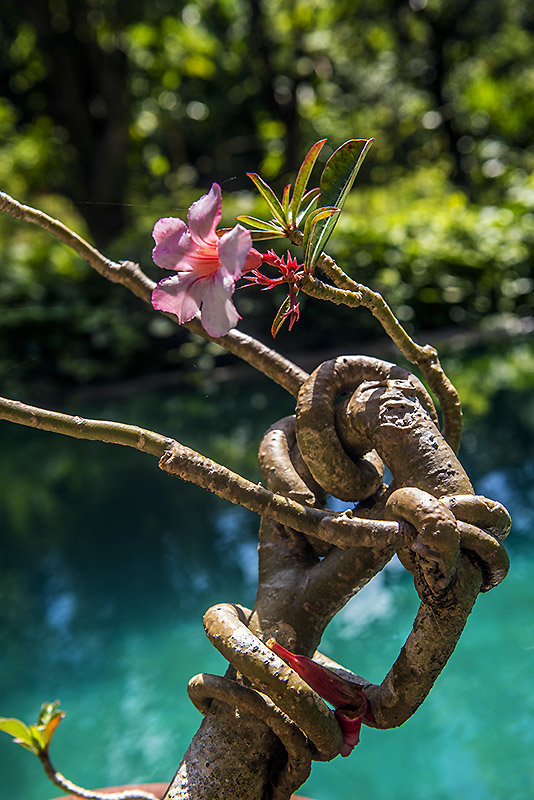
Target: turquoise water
(107,566)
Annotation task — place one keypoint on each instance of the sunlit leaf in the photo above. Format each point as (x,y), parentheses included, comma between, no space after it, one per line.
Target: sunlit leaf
(27,746)
(14,727)
(309,242)
(336,182)
(307,203)
(47,711)
(269,196)
(51,727)
(37,737)
(281,316)
(285,200)
(303,177)
(259,224)
(257,236)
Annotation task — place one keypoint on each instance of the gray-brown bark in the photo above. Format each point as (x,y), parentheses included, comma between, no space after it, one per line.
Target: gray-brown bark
(388,411)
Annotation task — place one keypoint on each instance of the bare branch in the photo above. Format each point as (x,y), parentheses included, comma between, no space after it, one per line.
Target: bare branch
(80,428)
(177,459)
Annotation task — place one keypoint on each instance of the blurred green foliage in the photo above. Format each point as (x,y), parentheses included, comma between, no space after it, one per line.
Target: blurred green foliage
(114,113)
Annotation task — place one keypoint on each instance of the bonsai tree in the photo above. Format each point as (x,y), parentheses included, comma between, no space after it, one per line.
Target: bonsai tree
(282,703)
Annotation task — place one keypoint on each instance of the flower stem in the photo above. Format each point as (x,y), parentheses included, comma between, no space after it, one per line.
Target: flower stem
(65,785)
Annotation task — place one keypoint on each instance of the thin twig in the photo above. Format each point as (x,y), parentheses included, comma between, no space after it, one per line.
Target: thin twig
(65,785)
(177,459)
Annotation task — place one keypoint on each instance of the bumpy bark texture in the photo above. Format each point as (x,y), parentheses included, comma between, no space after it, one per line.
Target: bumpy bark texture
(263,725)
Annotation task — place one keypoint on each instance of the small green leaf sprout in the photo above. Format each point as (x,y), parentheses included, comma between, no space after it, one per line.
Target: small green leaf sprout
(35,738)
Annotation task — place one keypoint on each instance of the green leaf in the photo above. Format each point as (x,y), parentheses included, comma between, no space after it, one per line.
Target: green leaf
(269,196)
(281,316)
(303,177)
(307,203)
(259,224)
(336,182)
(285,200)
(47,711)
(31,747)
(272,233)
(37,737)
(258,236)
(14,727)
(315,218)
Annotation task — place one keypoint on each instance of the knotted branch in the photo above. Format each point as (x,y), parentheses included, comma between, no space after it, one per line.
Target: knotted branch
(451,537)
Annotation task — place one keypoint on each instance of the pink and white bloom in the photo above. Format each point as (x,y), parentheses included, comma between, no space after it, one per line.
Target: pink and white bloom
(206,266)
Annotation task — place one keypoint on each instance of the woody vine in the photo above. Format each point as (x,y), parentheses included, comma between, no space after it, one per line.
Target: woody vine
(267,719)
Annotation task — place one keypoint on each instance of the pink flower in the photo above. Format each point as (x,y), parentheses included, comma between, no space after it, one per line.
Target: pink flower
(348,697)
(207,267)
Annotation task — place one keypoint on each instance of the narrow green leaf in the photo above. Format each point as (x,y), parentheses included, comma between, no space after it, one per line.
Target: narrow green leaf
(37,737)
(259,224)
(285,200)
(312,221)
(14,727)
(341,170)
(258,236)
(306,205)
(281,316)
(303,177)
(31,747)
(269,196)
(336,182)
(316,216)
(46,712)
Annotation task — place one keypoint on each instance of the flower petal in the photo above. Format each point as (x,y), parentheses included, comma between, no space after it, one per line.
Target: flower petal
(219,314)
(180,294)
(173,242)
(329,685)
(234,249)
(254,259)
(204,215)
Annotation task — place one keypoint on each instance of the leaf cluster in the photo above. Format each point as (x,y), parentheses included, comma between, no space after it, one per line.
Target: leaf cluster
(35,738)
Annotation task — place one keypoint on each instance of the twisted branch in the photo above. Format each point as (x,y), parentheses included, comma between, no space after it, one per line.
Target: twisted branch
(204,688)
(348,292)
(454,542)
